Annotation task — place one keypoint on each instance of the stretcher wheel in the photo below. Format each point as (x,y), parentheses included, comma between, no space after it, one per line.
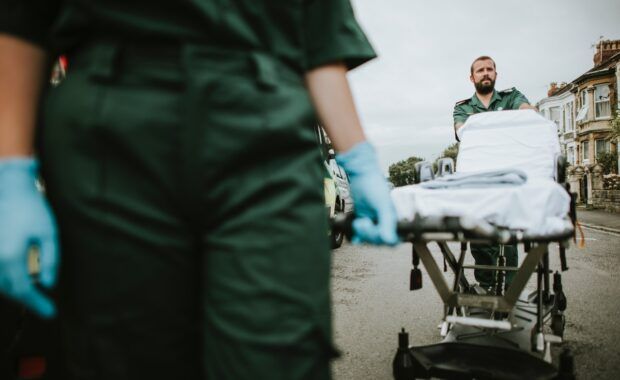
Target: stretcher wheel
(560,297)
(403,363)
(558,322)
(561,301)
(566,370)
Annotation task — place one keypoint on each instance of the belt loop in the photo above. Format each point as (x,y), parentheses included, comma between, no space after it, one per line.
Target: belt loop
(266,71)
(105,61)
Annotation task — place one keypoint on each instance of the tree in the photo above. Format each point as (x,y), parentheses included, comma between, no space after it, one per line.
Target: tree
(403,172)
(608,161)
(451,151)
(615,127)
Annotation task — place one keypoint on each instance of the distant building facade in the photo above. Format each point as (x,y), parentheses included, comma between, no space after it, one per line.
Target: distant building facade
(583,110)
(597,98)
(559,107)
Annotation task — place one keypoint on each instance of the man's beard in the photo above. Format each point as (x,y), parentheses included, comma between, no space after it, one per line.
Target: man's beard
(484,89)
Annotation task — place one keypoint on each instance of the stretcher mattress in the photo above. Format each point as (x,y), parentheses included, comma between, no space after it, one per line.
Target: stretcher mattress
(538,207)
(521,140)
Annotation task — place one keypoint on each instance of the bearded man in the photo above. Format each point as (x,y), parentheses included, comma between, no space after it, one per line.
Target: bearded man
(483,76)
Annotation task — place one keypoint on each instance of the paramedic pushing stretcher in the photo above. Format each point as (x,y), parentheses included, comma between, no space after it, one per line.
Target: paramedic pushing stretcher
(483,75)
(187,223)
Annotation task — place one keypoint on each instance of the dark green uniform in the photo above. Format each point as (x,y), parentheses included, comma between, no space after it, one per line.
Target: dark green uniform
(510,99)
(180,159)
(486,254)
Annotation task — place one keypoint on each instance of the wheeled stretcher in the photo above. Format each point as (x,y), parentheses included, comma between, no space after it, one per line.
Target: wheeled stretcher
(502,332)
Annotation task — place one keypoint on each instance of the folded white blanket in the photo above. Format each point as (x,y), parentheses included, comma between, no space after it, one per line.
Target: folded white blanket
(507,177)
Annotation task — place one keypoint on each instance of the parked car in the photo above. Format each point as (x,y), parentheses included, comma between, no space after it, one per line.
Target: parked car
(342,184)
(336,185)
(337,194)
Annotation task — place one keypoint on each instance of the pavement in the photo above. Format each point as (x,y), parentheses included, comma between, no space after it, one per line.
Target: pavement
(599,220)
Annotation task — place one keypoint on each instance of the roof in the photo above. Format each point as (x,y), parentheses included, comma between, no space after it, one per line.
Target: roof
(564,89)
(604,68)
(607,63)
(556,96)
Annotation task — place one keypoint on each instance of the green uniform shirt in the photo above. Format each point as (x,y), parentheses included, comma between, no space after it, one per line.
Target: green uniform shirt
(303,33)
(486,254)
(510,99)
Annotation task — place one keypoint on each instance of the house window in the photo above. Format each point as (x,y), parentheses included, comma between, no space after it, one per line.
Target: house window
(568,117)
(585,151)
(601,101)
(583,111)
(555,115)
(584,98)
(602,146)
(570,155)
(563,120)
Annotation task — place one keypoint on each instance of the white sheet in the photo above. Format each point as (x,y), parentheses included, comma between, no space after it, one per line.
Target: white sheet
(509,139)
(538,207)
(495,141)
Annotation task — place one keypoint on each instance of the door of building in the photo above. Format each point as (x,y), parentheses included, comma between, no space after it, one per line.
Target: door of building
(584,189)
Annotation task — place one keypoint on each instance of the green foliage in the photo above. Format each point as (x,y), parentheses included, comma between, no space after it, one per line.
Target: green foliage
(608,161)
(452,151)
(615,126)
(611,182)
(403,172)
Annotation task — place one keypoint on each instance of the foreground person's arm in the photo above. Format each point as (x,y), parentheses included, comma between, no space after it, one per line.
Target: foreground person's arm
(375,220)
(25,217)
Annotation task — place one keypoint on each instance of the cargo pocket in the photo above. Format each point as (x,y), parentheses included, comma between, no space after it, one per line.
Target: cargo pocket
(289,110)
(67,143)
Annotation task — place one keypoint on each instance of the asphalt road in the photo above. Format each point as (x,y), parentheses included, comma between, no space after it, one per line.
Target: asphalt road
(372,302)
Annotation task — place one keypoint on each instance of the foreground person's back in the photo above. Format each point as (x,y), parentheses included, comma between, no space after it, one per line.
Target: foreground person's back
(180,163)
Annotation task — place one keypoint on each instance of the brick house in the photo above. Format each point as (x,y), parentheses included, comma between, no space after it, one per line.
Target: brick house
(583,111)
(596,93)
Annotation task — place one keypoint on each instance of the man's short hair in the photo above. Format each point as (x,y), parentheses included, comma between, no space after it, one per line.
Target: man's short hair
(481,58)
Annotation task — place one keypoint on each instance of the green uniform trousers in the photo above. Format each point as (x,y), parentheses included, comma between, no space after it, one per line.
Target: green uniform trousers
(188,189)
(487,254)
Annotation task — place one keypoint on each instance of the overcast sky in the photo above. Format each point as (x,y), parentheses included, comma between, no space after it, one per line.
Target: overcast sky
(406,96)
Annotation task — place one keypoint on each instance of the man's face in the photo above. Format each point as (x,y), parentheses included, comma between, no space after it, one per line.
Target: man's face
(484,76)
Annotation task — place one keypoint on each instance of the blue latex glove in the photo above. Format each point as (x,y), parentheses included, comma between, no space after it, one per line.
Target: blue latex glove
(25,221)
(371,196)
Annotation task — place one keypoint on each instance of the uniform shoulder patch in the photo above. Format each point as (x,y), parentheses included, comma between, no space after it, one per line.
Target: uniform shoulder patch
(464,101)
(507,91)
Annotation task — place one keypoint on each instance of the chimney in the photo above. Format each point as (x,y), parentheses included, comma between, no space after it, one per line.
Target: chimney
(553,88)
(605,49)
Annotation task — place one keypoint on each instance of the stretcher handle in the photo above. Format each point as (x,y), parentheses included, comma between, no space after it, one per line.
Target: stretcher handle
(344,223)
(420,225)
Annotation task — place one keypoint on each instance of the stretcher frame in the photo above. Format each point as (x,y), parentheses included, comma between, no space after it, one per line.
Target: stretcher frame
(484,334)
(489,324)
